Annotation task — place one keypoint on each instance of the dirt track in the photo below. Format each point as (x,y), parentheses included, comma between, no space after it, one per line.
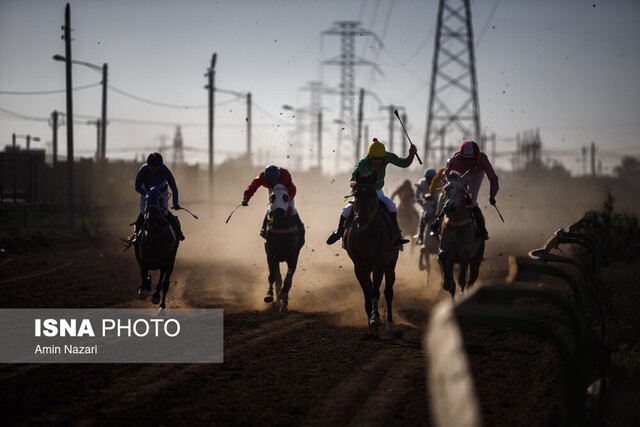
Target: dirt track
(313,365)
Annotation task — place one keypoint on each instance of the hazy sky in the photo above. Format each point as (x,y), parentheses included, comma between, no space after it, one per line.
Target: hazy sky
(569,68)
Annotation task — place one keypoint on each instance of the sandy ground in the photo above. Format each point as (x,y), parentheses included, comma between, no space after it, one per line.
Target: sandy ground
(313,365)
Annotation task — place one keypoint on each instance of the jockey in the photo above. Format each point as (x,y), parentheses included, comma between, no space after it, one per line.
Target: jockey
(269,178)
(404,193)
(470,159)
(154,173)
(376,160)
(426,188)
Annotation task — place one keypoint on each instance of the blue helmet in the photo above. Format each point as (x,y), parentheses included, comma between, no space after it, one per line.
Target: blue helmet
(429,174)
(155,159)
(271,174)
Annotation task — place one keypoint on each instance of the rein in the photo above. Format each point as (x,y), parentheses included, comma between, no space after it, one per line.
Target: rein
(373,213)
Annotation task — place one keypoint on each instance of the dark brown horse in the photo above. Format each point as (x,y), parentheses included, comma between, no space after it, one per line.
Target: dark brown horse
(283,242)
(369,241)
(155,249)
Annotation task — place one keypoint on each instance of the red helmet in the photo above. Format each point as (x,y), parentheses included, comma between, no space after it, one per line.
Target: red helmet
(469,150)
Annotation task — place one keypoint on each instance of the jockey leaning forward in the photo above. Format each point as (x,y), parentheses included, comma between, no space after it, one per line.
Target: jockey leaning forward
(427,188)
(269,178)
(470,159)
(154,173)
(376,160)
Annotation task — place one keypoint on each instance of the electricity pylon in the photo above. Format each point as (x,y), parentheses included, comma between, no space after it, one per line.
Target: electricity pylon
(453,102)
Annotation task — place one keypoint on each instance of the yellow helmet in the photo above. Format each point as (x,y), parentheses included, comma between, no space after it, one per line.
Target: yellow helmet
(376,149)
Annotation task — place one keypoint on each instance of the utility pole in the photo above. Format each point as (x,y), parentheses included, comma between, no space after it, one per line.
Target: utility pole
(103,120)
(211,73)
(249,126)
(593,158)
(69,90)
(453,76)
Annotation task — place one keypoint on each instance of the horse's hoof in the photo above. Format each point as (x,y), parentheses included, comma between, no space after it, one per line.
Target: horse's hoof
(284,308)
(389,326)
(161,312)
(268,298)
(141,293)
(155,298)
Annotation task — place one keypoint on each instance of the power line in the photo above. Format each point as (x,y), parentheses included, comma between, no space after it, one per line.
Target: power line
(46,92)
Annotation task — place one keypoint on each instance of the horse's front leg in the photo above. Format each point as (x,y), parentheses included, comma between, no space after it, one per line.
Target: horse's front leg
(145,282)
(363,274)
(462,273)
(446,265)
(155,298)
(378,273)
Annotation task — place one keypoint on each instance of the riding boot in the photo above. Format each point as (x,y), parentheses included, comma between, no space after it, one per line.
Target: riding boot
(479,218)
(263,230)
(399,240)
(300,226)
(137,227)
(175,224)
(337,234)
(435,225)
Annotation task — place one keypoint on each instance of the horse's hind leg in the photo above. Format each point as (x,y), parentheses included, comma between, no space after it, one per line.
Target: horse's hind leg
(474,267)
(274,277)
(462,273)
(389,280)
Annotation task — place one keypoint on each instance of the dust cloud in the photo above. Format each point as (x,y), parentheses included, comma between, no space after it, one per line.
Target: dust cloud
(224,264)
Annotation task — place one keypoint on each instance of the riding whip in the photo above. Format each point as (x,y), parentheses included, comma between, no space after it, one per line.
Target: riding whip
(185,209)
(495,206)
(232,213)
(405,132)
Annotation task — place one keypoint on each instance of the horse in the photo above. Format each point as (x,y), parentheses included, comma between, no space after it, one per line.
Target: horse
(460,242)
(430,240)
(283,241)
(156,249)
(369,240)
(408,216)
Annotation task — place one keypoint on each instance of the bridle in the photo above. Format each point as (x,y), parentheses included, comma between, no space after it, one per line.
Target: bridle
(373,212)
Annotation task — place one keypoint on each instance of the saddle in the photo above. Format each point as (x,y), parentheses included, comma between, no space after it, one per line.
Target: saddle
(394,230)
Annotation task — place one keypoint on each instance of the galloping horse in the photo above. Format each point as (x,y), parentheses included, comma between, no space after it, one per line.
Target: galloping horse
(430,241)
(459,242)
(283,242)
(156,249)
(369,241)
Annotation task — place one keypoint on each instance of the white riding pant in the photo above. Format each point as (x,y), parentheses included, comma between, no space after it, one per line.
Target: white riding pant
(474,182)
(346,211)
(165,198)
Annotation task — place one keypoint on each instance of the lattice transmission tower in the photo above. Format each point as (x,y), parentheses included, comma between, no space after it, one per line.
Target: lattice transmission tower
(453,113)
(347,60)
(178,153)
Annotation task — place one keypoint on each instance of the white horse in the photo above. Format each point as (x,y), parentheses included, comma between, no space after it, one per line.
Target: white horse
(430,240)
(459,242)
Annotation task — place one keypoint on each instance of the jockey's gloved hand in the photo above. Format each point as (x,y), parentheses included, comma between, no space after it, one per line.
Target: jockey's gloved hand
(413,150)
(492,200)
(176,207)
(245,203)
